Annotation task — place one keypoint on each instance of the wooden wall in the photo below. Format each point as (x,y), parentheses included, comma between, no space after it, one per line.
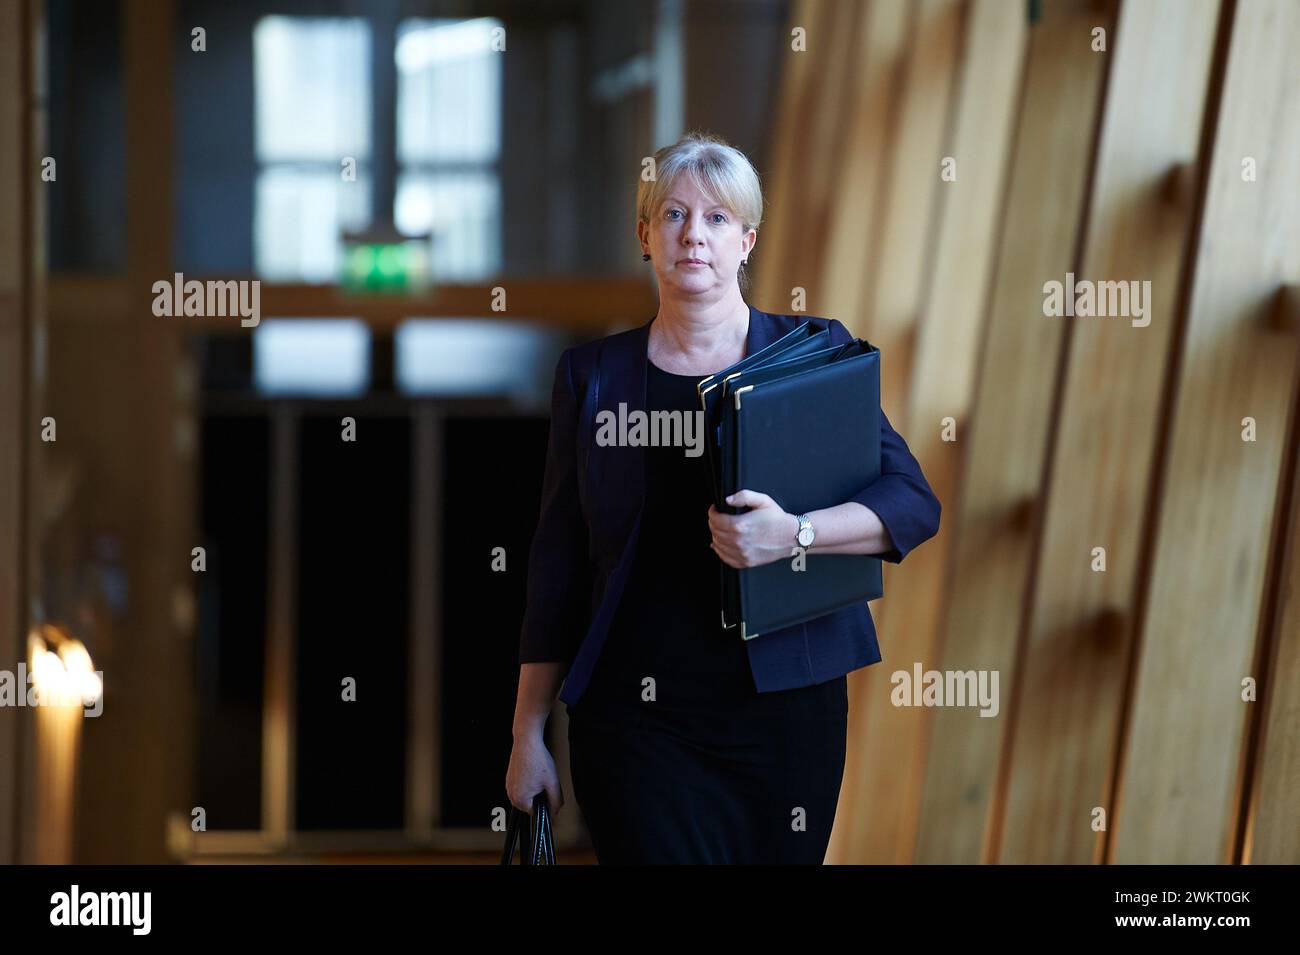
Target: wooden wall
(1188,716)
(993,521)
(1078,635)
(21,298)
(1121,524)
(1148,705)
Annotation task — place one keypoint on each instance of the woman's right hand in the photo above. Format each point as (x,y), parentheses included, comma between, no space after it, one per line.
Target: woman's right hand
(531,771)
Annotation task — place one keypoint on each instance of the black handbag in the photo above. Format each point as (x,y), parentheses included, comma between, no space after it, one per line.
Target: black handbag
(538,847)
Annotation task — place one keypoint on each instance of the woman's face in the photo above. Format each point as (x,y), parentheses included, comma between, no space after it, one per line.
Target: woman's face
(695,245)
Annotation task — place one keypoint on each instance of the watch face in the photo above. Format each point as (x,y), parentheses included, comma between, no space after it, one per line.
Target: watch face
(806,536)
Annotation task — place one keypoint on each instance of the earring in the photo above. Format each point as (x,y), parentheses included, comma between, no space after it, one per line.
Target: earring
(645,256)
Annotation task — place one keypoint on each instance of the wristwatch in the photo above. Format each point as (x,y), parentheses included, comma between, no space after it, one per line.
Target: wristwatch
(806,532)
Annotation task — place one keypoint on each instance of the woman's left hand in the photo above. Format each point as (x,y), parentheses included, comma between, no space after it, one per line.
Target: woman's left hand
(759,536)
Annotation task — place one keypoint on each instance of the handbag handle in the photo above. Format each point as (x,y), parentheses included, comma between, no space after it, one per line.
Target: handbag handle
(539,848)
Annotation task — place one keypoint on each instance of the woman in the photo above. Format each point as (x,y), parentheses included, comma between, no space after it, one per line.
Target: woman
(687,743)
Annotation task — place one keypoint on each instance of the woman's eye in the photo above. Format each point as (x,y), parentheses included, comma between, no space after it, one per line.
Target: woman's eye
(719,216)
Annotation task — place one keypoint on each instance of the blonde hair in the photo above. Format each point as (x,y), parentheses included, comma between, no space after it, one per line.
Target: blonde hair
(721,171)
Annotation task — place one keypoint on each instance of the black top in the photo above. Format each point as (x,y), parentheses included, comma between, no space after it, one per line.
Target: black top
(668,622)
(709,771)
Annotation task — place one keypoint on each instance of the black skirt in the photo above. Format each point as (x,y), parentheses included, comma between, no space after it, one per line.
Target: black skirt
(674,754)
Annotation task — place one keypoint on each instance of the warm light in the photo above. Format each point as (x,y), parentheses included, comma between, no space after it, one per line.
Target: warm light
(81,676)
(59,680)
(35,647)
(67,677)
(49,675)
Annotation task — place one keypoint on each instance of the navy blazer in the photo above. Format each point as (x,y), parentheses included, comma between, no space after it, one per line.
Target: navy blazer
(592,497)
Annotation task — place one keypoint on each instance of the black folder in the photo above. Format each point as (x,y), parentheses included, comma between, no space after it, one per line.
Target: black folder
(799,421)
(801,341)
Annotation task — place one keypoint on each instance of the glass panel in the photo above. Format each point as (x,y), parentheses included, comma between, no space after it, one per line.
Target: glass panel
(463,211)
(85,113)
(473,356)
(299,215)
(326,356)
(311,79)
(448,91)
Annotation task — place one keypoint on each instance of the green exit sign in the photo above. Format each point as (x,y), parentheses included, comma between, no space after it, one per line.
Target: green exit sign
(385,266)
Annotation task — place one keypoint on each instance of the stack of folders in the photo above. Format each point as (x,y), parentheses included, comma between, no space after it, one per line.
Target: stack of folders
(799,421)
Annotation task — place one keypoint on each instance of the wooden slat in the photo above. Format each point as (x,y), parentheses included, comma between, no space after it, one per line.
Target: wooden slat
(796,94)
(143,490)
(807,153)
(425,679)
(1181,771)
(1272,834)
(161,507)
(895,286)
(1011,418)
(279,687)
(1077,640)
(15,397)
(97,299)
(881,794)
(871,104)
(591,303)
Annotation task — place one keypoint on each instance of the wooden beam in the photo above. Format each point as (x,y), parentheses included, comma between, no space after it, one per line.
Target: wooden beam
(1010,423)
(425,678)
(881,793)
(91,299)
(896,284)
(20,276)
(871,104)
(145,490)
(1270,833)
(1075,646)
(583,303)
(1181,771)
(807,152)
(279,692)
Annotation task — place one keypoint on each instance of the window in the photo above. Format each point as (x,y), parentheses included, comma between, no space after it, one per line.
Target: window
(474,356)
(449,143)
(314,101)
(322,356)
(312,97)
